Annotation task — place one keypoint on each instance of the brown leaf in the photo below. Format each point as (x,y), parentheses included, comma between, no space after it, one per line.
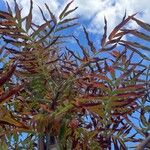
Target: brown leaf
(8,23)
(17,11)
(142,24)
(5,15)
(29,17)
(90,43)
(7,118)
(119,26)
(6,76)
(103,41)
(7,95)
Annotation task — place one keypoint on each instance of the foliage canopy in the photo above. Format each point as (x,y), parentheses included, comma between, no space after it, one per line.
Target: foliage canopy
(84,101)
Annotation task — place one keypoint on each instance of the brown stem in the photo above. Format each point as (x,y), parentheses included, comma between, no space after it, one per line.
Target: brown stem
(41,144)
(144,143)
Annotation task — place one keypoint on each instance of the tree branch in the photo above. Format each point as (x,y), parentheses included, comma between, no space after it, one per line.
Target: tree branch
(144,143)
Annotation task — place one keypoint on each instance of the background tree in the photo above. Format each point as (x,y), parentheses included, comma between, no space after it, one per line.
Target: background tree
(51,94)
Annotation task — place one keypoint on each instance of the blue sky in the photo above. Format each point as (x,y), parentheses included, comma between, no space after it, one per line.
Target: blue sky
(1,5)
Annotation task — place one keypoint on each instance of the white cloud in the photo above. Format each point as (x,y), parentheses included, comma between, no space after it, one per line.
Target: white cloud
(94,10)
(113,10)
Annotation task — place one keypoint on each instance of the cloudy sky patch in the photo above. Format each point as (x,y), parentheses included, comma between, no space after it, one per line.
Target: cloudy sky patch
(93,11)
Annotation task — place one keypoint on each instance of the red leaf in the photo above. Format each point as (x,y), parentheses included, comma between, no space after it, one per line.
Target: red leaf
(119,26)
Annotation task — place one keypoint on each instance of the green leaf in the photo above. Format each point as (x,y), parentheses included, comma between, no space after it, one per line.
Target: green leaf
(3,146)
(122,144)
(147,108)
(66,27)
(67,20)
(62,130)
(62,15)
